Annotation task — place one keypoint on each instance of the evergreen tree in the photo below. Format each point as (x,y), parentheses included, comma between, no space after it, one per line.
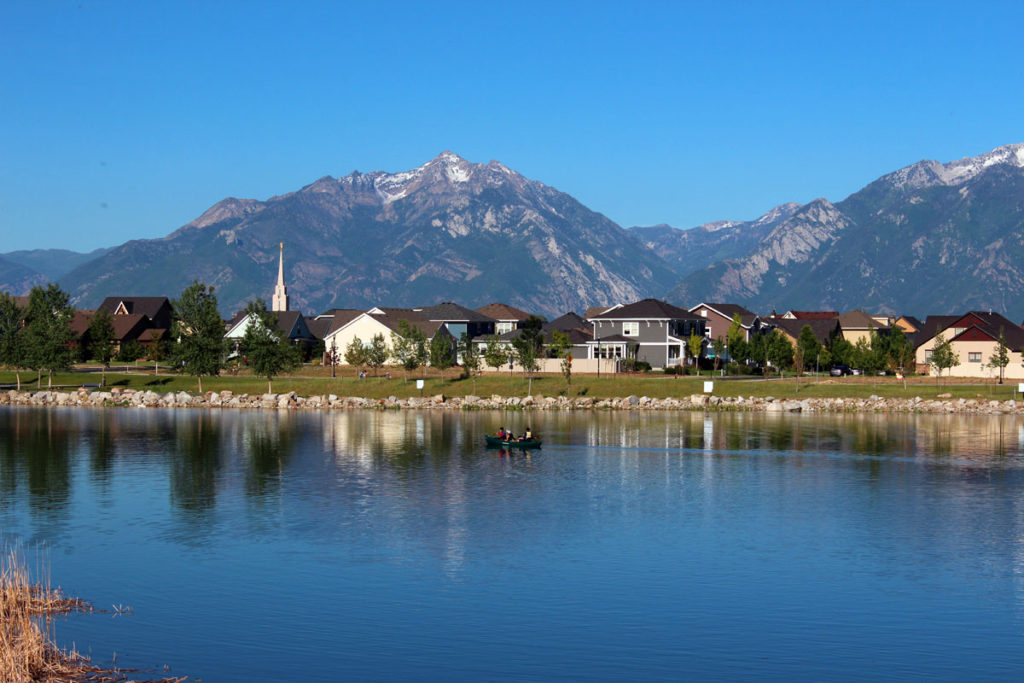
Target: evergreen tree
(778,351)
(48,330)
(809,348)
(265,347)
(197,332)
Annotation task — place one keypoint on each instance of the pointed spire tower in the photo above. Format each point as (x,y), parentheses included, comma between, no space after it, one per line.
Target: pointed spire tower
(280,301)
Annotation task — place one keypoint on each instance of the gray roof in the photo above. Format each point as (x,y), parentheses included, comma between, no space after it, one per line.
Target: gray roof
(448,312)
(729,311)
(646,309)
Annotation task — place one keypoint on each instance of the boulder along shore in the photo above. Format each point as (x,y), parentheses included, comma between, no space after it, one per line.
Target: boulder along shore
(118,397)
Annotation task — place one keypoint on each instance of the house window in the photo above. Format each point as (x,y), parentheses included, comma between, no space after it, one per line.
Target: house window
(707,331)
(630,329)
(502,328)
(974,357)
(928,356)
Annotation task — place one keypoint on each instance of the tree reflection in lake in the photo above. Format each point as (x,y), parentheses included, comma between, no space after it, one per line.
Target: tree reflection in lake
(34,453)
(195,462)
(268,446)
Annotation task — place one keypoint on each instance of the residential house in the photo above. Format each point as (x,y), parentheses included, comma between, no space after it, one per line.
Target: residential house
(458,320)
(291,324)
(378,320)
(808,315)
(719,319)
(144,319)
(650,330)
(857,325)
(973,338)
(506,317)
(156,308)
(823,330)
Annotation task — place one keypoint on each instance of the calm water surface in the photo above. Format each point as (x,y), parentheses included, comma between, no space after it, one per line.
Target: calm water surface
(394,546)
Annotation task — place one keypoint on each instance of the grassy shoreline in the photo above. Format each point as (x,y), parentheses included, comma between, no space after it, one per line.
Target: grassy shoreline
(316,381)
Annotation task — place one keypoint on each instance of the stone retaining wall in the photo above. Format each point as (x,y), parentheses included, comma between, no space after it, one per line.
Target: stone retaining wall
(227,399)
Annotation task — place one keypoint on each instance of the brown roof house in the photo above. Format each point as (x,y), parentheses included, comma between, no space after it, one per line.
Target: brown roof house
(857,325)
(973,338)
(719,319)
(506,317)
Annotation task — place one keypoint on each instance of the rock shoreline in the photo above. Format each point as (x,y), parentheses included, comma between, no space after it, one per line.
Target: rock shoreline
(118,397)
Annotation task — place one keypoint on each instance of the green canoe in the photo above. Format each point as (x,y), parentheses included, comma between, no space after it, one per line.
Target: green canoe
(497,442)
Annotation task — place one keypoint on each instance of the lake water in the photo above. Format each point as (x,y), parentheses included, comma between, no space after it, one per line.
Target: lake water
(275,546)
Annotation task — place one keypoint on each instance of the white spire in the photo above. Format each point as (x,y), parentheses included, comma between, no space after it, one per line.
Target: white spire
(280,301)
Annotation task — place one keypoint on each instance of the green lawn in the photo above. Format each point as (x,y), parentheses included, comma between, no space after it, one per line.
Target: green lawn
(315,380)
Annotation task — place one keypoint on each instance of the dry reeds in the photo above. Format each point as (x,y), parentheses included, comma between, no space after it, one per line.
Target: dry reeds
(28,649)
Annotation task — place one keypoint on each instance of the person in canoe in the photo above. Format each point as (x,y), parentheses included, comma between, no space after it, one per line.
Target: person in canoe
(527,435)
(501,433)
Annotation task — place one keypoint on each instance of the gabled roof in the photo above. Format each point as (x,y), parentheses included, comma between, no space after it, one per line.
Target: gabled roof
(594,311)
(289,323)
(911,322)
(503,312)
(448,312)
(389,318)
(146,305)
(80,321)
(747,318)
(821,328)
(859,320)
(319,327)
(646,309)
(129,326)
(341,317)
(933,324)
(811,315)
(565,322)
(989,324)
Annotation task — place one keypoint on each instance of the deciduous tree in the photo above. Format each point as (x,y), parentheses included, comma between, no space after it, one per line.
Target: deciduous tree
(12,351)
(1001,356)
(265,347)
(441,355)
(943,356)
(101,340)
(197,333)
(377,353)
(48,330)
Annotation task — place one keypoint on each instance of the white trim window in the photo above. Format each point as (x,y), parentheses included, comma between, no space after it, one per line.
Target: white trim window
(502,328)
(630,329)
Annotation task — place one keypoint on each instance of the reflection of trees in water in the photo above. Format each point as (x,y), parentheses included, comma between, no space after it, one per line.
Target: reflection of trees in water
(401,441)
(34,445)
(268,445)
(101,447)
(195,463)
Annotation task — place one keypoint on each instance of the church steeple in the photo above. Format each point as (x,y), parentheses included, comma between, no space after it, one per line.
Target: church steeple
(280,301)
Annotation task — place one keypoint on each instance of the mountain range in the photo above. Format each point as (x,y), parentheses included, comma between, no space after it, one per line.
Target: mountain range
(929,238)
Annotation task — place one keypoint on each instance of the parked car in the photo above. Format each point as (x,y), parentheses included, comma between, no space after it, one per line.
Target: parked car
(855,371)
(839,370)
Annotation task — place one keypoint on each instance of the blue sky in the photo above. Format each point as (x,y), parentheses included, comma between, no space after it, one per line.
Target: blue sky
(125,120)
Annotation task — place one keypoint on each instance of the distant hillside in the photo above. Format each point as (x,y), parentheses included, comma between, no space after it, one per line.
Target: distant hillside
(448,230)
(928,238)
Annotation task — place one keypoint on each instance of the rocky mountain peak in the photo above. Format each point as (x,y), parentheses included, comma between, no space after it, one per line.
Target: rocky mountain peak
(929,173)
